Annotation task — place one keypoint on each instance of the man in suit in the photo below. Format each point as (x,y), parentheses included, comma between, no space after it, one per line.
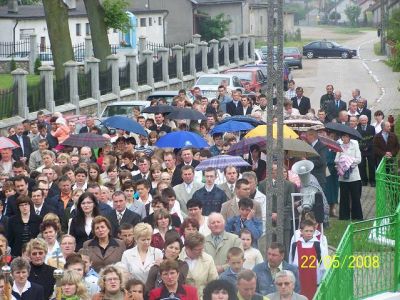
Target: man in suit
(44,135)
(89,125)
(266,271)
(21,186)
(386,144)
(231,176)
(334,107)
(211,196)
(246,108)
(160,126)
(300,102)
(170,167)
(185,190)
(187,160)
(219,241)
(144,170)
(234,106)
(25,148)
(120,214)
(40,207)
(367,154)
(319,170)
(231,208)
(363,110)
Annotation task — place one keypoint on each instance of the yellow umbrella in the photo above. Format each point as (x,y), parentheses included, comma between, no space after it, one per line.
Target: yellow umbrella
(261,130)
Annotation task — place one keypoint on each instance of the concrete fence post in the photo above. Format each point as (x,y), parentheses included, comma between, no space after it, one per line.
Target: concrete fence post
(112,62)
(196,38)
(163,53)
(88,47)
(131,61)
(191,48)
(225,44)
(46,74)
(244,39)
(71,70)
(141,47)
(148,56)
(204,51)
(252,41)
(19,77)
(177,51)
(33,53)
(235,41)
(214,48)
(93,66)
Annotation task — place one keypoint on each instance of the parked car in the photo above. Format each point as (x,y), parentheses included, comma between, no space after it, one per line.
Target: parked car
(293,57)
(123,108)
(326,48)
(254,76)
(209,83)
(167,95)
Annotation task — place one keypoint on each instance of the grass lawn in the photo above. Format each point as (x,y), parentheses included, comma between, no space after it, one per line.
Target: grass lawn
(335,231)
(6,80)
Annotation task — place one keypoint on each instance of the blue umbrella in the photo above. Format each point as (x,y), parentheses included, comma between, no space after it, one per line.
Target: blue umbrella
(181,139)
(125,123)
(222,161)
(231,126)
(246,119)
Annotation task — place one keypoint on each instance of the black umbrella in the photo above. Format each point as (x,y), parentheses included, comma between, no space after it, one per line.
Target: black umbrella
(341,128)
(158,109)
(246,119)
(186,114)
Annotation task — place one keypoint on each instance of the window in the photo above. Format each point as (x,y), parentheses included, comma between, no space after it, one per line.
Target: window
(142,22)
(78,29)
(24,34)
(159,21)
(87,29)
(150,21)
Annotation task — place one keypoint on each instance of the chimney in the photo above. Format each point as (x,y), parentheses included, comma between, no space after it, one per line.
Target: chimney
(70,3)
(12,6)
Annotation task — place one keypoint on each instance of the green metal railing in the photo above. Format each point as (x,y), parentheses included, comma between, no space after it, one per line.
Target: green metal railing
(367,260)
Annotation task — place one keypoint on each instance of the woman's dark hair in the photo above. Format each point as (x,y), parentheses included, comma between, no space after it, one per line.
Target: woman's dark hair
(23,199)
(217,285)
(132,282)
(187,222)
(172,239)
(96,167)
(80,215)
(48,223)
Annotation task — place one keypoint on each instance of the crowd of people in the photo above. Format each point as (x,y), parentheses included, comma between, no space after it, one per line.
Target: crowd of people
(131,220)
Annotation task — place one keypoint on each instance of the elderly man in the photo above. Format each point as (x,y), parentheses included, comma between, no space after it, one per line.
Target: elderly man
(89,125)
(386,144)
(6,161)
(319,170)
(86,153)
(267,271)
(219,241)
(246,286)
(285,282)
(363,110)
(25,148)
(366,147)
(35,161)
(334,107)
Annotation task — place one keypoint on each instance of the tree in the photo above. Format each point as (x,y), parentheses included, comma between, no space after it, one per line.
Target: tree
(56,12)
(393,30)
(297,10)
(353,12)
(214,28)
(334,16)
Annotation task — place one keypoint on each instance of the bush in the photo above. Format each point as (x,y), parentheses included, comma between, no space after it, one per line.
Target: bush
(334,16)
(395,61)
(38,64)
(13,65)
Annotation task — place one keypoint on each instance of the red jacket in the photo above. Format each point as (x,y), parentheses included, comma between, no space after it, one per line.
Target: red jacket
(184,292)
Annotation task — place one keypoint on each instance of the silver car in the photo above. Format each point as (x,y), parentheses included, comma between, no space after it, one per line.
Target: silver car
(209,84)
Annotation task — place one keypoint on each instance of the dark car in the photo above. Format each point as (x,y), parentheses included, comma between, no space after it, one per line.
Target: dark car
(327,49)
(293,57)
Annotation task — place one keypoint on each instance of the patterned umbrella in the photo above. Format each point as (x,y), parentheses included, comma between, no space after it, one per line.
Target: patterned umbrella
(7,143)
(222,161)
(331,144)
(86,139)
(243,146)
(181,139)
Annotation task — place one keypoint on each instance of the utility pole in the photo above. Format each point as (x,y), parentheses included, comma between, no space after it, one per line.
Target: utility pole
(383,28)
(274,232)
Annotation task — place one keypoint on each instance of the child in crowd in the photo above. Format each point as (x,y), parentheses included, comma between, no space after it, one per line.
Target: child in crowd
(307,254)
(235,260)
(252,256)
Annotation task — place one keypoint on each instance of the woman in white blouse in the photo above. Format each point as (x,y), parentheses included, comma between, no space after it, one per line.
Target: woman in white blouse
(142,257)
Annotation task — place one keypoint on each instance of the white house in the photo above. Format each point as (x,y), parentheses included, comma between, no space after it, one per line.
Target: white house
(19,22)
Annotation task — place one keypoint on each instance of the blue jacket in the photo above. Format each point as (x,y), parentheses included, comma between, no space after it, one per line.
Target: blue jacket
(212,201)
(265,282)
(253,225)
(229,276)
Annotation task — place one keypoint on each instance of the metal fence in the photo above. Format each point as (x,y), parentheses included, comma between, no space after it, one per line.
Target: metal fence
(231,54)
(18,49)
(84,85)
(79,52)
(221,56)
(387,187)
(186,64)
(142,73)
(61,90)
(105,81)
(9,102)
(172,67)
(124,77)
(157,70)
(155,46)
(210,58)
(241,51)
(367,260)
(199,61)
(36,96)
